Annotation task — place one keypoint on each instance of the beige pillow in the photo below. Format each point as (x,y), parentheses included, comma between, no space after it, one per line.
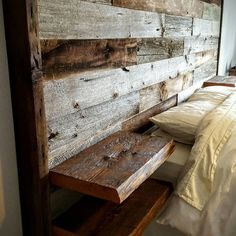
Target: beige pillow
(182,121)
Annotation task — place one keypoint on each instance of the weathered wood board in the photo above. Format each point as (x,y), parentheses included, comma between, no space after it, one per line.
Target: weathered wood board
(205,27)
(113,168)
(75,19)
(193,8)
(61,57)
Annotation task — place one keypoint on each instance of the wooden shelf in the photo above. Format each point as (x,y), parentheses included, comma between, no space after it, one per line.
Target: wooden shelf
(93,216)
(228,81)
(113,168)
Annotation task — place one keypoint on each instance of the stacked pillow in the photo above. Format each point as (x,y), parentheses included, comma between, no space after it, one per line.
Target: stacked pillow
(182,121)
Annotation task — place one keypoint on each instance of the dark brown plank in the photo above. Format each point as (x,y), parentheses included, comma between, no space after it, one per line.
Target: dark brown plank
(24,59)
(92,216)
(68,56)
(173,7)
(217,2)
(228,81)
(141,120)
(113,168)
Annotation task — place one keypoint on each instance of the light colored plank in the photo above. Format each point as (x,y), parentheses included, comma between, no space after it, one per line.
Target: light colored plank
(193,8)
(84,90)
(75,19)
(177,26)
(205,71)
(211,12)
(149,97)
(173,86)
(70,134)
(205,27)
(158,49)
(200,44)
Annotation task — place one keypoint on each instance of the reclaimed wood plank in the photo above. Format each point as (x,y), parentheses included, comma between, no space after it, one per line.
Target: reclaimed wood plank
(136,122)
(177,26)
(106,2)
(211,12)
(102,21)
(205,71)
(200,44)
(203,27)
(74,93)
(217,2)
(155,49)
(24,60)
(173,86)
(193,8)
(92,216)
(113,168)
(228,81)
(68,134)
(67,56)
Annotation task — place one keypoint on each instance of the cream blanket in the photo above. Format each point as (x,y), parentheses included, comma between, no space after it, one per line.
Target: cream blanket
(204,203)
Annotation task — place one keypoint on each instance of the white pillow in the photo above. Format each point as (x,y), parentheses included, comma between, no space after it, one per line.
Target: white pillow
(182,121)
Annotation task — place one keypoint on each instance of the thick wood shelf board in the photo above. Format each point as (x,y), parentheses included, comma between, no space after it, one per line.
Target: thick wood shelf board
(113,168)
(228,81)
(92,216)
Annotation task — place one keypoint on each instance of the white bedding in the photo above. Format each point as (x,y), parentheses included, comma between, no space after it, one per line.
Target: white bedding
(204,203)
(173,166)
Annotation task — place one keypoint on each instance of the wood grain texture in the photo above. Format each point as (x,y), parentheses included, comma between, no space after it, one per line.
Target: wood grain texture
(24,61)
(174,86)
(156,49)
(193,8)
(113,168)
(217,2)
(228,81)
(72,133)
(91,216)
(74,93)
(176,26)
(68,56)
(206,28)
(142,119)
(200,44)
(211,12)
(205,72)
(102,21)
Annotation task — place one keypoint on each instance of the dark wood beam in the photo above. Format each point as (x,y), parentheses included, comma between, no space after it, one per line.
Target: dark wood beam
(24,58)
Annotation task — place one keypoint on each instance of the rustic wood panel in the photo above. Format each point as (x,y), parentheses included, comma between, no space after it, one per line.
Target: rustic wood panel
(173,86)
(142,119)
(113,168)
(84,20)
(67,56)
(217,2)
(69,134)
(193,8)
(206,28)
(211,12)
(228,81)
(176,26)
(24,59)
(200,44)
(107,2)
(150,50)
(74,93)
(92,216)
(205,72)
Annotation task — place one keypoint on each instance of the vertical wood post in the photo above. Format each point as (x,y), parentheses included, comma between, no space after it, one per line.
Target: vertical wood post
(24,58)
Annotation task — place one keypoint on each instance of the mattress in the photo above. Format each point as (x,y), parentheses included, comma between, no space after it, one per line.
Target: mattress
(171,169)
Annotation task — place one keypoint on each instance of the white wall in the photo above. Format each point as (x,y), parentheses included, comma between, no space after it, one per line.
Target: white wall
(10,220)
(228,40)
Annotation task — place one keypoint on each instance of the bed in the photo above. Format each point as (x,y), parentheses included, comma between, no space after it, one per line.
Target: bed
(203,167)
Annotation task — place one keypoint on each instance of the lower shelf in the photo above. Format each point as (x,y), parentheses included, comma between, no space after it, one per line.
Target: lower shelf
(92,216)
